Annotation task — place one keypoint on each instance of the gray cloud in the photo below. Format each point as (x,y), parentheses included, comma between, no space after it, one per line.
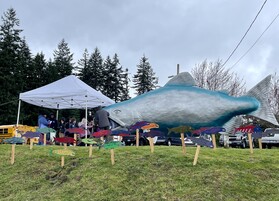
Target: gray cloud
(167,32)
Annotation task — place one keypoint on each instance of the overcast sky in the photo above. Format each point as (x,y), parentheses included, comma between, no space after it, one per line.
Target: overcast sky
(167,32)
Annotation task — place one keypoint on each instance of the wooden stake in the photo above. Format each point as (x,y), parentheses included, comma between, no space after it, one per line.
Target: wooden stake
(90,151)
(61,135)
(197,154)
(213,141)
(75,137)
(62,161)
(45,138)
(112,156)
(31,143)
(65,145)
(151,144)
(183,144)
(13,154)
(260,143)
(137,137)
(250,142)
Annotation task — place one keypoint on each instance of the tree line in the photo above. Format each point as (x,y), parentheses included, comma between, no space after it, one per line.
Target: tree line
(21,71)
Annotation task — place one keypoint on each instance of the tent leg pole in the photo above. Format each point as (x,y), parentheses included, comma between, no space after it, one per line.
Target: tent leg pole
(17,119)
(86,121)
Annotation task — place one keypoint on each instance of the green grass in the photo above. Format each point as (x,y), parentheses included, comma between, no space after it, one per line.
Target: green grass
(221,174)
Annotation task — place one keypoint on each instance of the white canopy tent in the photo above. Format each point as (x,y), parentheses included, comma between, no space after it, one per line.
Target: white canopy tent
(66,93)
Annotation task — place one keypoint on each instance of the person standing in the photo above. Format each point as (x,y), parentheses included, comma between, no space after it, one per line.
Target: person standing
(53,123)
(42,121)
(102,119)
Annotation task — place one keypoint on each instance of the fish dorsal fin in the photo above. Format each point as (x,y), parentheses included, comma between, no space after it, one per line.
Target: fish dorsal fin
(184,79)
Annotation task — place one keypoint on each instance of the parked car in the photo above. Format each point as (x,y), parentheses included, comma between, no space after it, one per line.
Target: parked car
(240,139)
(177,141)
(131,140)
(272,138)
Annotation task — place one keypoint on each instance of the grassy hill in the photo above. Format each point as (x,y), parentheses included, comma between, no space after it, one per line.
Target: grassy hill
(221,174)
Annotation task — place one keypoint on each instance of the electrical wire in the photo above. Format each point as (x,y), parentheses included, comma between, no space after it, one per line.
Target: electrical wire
(255,41)
(245,33)
(8,102)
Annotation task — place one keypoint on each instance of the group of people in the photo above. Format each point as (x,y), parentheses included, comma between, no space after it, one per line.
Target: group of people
(100,121)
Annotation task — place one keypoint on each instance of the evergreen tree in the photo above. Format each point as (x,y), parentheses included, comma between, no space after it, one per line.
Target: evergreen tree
(10,46)
(39,68)
(125,86)
(63,60)
(95,78)
(144,80)
(114,87)
(82,69)
(107,86)
(51,73)
(25,71)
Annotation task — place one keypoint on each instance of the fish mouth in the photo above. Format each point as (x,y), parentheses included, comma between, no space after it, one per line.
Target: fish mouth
(116,123)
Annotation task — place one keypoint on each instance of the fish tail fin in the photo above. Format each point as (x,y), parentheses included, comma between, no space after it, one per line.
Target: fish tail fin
(235,122)
(260,92)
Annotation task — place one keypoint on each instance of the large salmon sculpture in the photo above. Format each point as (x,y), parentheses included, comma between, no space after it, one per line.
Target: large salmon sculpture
(181,102)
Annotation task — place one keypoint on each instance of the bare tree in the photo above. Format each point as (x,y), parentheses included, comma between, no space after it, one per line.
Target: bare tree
(214,76)
(274,94)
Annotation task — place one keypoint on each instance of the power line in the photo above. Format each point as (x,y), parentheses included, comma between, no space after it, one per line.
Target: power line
(8,102)
(245,34)
(255,41)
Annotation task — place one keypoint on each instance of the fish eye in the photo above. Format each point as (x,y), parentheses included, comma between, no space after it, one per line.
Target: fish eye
(117,111)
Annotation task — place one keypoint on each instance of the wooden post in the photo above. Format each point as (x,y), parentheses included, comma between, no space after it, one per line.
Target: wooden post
(61,135)
(31,143)
(137,137)
(62,161)
(65,145)
(197,154)
(151,144)
(250,142)
(13,154)
(90,151)
(45,139)
(75,137)
(260,143)
(25,140)
(183,144)
(112,156)
(214,141)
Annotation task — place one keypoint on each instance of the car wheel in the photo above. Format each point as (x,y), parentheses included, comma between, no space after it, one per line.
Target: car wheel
(243,145)
(169,142)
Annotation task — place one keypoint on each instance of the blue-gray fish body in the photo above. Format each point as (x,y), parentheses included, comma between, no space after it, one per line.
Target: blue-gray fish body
(181,103)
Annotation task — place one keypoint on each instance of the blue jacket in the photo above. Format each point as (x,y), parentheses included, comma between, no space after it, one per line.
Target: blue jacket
(42,121)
